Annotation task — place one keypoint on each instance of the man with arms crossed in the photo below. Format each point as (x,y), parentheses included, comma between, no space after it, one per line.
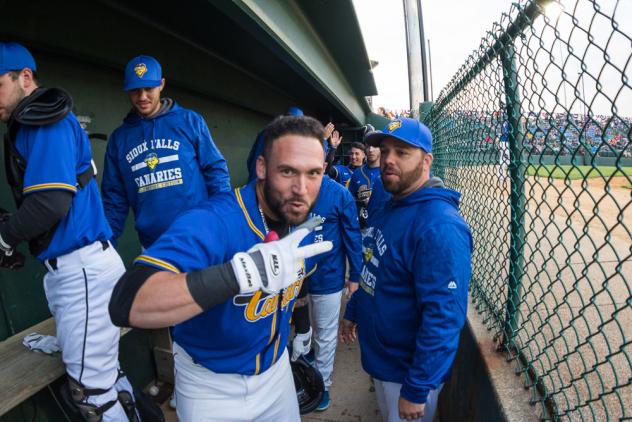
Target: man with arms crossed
(229,295)
(412,300)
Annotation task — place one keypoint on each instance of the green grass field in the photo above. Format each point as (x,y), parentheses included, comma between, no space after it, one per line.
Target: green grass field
(577,172)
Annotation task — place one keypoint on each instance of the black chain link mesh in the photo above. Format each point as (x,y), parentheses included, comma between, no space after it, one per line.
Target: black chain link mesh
(534,130)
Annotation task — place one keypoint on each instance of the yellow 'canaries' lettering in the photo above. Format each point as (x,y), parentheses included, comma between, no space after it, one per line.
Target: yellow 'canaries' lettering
(262,305)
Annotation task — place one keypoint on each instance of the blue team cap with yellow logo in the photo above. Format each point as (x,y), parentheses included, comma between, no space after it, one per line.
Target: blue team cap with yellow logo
(14,56)
(410,131)
(142,72)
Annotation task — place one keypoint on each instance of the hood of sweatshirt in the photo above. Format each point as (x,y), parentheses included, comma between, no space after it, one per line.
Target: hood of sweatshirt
(167,105)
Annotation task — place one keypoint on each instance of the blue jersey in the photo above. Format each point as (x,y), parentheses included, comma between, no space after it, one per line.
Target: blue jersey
(336,209)
(55,155)
(248,333)
(362,182)
(344,175)
(160,167)
(361,186)
(412,300)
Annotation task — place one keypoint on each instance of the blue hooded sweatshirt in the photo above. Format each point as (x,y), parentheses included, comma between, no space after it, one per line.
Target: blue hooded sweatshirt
(335,207)
(412,300)
(160,166)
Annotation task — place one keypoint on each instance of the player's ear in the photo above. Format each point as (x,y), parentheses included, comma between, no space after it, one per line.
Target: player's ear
(427,158)
(261,168)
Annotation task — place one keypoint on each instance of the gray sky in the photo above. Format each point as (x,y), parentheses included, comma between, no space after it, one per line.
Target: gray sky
(453,36)
(455,28)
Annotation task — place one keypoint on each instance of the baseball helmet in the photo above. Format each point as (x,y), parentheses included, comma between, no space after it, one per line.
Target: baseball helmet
(309,385)
(368,128)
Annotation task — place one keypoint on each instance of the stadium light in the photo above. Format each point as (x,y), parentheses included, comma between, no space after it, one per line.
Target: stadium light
(553,9)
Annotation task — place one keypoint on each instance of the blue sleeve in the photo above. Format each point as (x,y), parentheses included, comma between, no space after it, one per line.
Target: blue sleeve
(52,154)
(212,162)
(351,237)
(442,266)
(115,202)
(353,186)
(192,242)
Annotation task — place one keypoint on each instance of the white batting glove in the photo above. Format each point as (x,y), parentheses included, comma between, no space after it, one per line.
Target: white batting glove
(273,266)
(301,344)
(41,343)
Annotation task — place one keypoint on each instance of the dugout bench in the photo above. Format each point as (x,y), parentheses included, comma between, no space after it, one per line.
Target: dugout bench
(24,372)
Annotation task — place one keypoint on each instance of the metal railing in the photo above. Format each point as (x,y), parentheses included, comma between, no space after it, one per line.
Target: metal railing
(535,130)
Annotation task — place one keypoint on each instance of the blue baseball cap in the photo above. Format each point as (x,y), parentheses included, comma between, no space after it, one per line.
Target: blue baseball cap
(294,111)
(142,72)
(14,56)
(411,131)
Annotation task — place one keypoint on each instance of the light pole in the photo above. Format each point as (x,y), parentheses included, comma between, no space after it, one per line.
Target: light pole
(430,71)
(581,80)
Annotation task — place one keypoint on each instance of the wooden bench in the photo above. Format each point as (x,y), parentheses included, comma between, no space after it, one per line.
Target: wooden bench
(24,372)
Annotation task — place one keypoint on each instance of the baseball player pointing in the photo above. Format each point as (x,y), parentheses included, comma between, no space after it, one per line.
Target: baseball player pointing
(229,294)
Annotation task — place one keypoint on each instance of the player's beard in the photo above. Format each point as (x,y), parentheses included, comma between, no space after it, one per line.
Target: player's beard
(405,180)
(17,95)
(279,206)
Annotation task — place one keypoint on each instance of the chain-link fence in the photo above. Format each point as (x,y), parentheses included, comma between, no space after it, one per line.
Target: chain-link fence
(535,130)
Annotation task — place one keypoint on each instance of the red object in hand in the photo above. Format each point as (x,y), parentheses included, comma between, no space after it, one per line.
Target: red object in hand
(271,237)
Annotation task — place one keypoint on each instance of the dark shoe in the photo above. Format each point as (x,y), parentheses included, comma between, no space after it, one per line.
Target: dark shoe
(324,403)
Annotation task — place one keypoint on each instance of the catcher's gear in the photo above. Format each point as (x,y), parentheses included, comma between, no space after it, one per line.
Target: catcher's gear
(366,130)
(10,259)
(75,394)
(309,385)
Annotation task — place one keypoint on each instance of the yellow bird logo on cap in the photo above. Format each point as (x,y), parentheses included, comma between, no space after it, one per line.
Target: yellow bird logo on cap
(394,125)
(140,69)
(152,161)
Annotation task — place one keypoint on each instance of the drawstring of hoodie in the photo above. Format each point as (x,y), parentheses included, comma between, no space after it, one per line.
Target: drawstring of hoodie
(149,131)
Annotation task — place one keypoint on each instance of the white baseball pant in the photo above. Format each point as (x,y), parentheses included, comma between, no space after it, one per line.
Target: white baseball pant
(388,401)
(78,290)
(206,396)
(325,313)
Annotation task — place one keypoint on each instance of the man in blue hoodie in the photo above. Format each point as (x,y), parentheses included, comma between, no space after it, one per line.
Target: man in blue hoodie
(412,300)
(160,161)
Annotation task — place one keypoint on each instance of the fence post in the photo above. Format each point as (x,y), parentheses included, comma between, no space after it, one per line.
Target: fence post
(515,137)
